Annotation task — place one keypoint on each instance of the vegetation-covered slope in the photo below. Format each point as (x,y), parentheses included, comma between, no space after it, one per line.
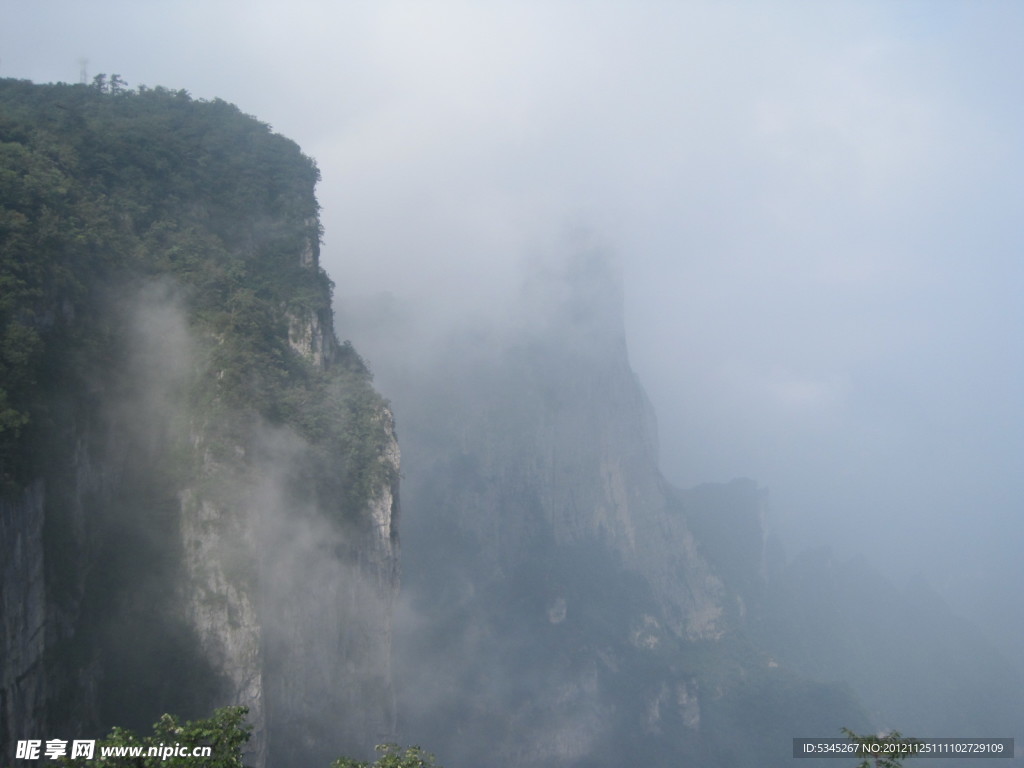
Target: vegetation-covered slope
(102,187)
(184,446)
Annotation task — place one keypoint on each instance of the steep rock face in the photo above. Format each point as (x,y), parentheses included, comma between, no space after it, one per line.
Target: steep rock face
(564,444)
(22,588)
(563,608)
(223,613)
(199,502)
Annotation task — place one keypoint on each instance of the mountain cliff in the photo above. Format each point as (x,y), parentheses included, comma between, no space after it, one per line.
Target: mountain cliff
(564,605)
(199,502)
(199,496)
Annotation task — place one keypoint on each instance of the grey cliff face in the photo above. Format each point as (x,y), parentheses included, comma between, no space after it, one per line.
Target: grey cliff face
(22,590)
(174,557)
(562,600)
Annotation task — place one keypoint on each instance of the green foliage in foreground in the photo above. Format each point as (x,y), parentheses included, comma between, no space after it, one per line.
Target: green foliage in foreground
(392,756)
(884,751)
(225,733)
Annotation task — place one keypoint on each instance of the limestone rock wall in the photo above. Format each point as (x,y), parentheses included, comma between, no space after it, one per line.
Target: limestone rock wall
(173,558)
(22,614)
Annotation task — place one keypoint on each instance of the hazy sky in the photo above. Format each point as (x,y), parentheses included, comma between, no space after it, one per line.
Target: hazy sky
(817,209)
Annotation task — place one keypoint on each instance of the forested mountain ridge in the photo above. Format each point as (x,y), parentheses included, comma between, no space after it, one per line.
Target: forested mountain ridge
(184,446)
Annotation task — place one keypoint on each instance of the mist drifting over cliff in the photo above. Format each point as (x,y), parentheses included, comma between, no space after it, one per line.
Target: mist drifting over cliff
(813,210)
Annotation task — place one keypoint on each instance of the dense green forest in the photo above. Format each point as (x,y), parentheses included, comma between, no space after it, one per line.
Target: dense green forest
(103,188)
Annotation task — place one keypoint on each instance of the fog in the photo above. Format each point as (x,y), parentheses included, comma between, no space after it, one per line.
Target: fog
(814,209)
(259,514)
